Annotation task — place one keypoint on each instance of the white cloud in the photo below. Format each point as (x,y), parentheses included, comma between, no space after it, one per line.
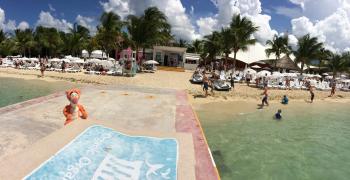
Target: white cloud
(227,8)
(333,30)
(10,25)
(23,25)
(299,2)
(292,41)
(86,22)
(47,20)
(192,11)
(51,8)
(265,32)
(173,9)
(318,9)
(206,25)
(289,12)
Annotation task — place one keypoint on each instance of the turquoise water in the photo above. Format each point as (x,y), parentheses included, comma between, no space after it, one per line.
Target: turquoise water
(14,90)
(311,142)
(102,153)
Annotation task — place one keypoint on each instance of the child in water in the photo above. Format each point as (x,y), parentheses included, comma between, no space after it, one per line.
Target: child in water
(278,115)
(285,99)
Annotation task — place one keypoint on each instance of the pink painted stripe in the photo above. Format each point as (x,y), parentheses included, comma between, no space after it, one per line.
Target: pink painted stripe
(186,121)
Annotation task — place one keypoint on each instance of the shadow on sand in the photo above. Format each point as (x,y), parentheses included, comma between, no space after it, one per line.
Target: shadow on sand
(198,96)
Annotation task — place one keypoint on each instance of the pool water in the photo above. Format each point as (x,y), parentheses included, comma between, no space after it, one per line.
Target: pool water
(14,90)
(312,141)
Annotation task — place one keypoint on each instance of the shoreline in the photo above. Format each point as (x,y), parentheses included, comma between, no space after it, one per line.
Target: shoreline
(177,81)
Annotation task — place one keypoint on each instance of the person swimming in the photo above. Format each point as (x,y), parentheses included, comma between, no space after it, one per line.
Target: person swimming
(285,99)
(278,115)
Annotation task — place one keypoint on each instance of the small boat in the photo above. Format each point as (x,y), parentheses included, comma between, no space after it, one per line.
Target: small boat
(222,85)
(197,78)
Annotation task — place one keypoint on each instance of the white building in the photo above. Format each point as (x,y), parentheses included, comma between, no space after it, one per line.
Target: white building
(169,56)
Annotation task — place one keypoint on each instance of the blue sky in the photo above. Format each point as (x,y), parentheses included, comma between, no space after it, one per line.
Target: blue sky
(329,20)
(29,10)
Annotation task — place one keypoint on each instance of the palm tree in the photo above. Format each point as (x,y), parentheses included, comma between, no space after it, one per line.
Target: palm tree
(78,38)
(2,36)
(49,40)
(308,49)
(149,29)
(20,40)
(136,32)
(279,45)
(338,63)
(30,42)
(242,29)
(109,31)
(226,41)
(197,46)
(92,44)
(212,46)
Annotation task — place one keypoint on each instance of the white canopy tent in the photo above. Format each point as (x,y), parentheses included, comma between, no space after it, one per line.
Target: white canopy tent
(263,73)
(253,54)
(98,54)
(250,71)
(151,62)
(84,53)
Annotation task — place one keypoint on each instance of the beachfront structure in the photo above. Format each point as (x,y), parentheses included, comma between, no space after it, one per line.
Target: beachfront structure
(191,61)
(169,56)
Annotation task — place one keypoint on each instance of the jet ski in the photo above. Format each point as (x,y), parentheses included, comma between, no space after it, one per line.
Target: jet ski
(222,85)
(197,78)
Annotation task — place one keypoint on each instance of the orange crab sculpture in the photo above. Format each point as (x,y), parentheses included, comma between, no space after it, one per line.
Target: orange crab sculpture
(74,110)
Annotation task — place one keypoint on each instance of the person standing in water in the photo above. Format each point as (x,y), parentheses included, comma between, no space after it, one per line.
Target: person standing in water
(278,115)
(264,100)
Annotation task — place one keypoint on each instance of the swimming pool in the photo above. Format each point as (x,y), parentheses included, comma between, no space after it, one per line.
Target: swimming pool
(101,153)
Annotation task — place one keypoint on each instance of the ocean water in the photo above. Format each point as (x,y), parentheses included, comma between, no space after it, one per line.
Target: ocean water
(312,141)
(14,90)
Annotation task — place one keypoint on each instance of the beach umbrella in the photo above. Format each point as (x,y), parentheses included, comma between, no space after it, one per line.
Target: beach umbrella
(325,74)
(151,62)
(106,64)
(263,73)
(256,67)
(290,74)
(276,74)
(343,76)
(250,71)
(55,60)
(96,61)
(65,60)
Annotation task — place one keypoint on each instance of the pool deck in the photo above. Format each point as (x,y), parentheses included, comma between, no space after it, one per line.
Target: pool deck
(129,108)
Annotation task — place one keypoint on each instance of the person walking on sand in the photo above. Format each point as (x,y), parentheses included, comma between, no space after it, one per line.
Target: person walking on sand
(265,97)
(333,85)
(42,67)
(248,78)
(232,81)
(63,66)
(312,94)
(205,84)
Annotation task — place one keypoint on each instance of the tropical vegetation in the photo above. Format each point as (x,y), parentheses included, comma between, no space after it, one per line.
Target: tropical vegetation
(152,28)
(278,46)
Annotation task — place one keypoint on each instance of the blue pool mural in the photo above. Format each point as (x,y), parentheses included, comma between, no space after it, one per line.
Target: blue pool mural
(101,153)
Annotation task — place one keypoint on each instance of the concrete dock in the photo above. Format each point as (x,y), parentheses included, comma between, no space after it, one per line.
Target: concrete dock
(136,109)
